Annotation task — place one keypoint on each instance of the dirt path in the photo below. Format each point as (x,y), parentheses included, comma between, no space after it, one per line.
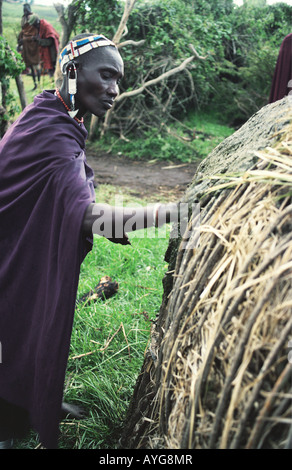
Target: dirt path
(141,178)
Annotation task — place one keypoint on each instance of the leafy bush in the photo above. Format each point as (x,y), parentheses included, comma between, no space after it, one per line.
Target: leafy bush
(241,45)
(98,16)
(11,65)
(244,79)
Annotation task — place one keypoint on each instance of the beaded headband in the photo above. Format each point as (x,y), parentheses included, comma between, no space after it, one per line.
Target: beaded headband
(81,46)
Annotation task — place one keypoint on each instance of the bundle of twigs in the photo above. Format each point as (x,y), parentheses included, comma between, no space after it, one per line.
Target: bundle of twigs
(105,289)
(225,378)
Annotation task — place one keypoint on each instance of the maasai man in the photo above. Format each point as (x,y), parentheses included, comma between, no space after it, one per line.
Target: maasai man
(48,215)
(48,40)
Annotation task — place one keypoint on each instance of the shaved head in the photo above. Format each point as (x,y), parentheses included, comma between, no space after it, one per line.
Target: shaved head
(95,72)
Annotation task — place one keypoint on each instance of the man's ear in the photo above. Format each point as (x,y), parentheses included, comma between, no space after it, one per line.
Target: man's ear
(69,64)
(77,64)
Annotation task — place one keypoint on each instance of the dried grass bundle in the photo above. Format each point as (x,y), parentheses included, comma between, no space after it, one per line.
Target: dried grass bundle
(225,379)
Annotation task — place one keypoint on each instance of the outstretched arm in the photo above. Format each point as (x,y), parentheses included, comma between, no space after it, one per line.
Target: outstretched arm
(114,222)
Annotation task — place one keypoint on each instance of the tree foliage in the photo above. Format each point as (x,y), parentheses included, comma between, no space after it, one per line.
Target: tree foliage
(241,44)
(11,66)
(98,16)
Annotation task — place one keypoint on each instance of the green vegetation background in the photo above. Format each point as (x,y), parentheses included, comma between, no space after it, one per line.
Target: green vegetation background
(186,116)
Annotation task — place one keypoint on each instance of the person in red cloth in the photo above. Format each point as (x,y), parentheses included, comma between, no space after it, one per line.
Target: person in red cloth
(48,39)
(48,215)
(28,46)
(282,79)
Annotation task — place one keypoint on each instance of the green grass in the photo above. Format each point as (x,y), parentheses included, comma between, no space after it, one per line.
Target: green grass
(210,130)
(101,374)
(187,141)
(46,83)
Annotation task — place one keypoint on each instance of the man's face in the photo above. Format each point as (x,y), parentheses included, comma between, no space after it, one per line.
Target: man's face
(97,83)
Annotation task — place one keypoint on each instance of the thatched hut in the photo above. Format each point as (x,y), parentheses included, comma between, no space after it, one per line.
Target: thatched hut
(218,374)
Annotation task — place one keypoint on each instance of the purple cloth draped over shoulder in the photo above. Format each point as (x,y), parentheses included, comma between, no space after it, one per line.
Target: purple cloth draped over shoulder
(45,188)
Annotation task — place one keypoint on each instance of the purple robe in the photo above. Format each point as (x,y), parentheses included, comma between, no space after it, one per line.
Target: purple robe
(283,71)
(45,188)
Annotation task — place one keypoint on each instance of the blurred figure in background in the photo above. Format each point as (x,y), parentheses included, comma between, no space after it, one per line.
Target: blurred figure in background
(48,41)
(28,46)
(26,12)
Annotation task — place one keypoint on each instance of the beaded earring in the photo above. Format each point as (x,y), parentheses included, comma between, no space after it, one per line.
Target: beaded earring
(72,87)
